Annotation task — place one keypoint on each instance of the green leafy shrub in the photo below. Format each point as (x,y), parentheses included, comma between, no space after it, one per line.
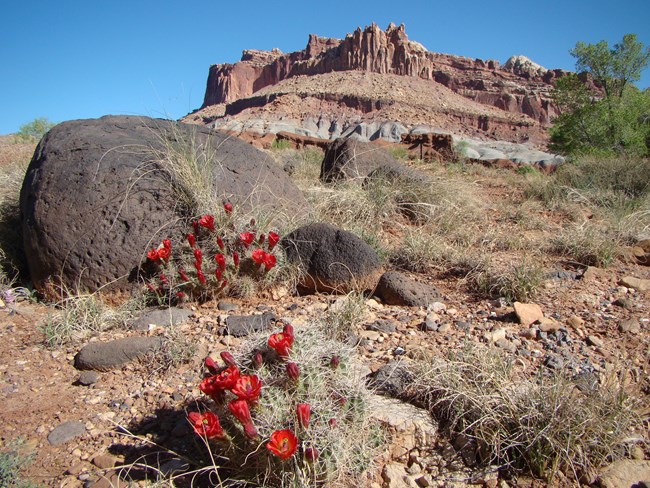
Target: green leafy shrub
(33,131)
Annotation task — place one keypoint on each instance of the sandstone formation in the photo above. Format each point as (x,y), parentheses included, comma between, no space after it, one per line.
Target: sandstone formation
(519,86)
(96,196)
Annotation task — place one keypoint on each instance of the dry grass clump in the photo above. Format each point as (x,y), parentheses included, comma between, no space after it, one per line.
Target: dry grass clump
(519,282)
(347,446)
(14,159)
(544,425)
(588,244)
(79,316)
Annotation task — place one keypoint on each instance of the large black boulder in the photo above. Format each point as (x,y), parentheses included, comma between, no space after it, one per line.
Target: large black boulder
(349,158)
(96,195)
(332,259)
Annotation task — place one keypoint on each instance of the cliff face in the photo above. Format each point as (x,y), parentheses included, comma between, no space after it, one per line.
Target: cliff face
(519,86)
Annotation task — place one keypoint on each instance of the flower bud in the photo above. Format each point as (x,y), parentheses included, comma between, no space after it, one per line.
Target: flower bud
(311,454)
(228,358)
(257,360)
(334,362)
(293,371)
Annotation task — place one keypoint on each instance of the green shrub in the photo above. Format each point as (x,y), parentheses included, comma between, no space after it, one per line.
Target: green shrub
(33,131)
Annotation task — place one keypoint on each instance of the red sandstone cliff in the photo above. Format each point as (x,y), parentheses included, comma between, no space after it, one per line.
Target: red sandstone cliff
(516,87)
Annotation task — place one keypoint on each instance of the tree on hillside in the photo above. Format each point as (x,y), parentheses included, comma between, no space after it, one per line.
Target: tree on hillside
(35,129)
(612,117)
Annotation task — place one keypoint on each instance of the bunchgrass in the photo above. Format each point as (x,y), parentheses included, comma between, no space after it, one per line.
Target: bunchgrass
(13,460)
(543,424)
(79,316)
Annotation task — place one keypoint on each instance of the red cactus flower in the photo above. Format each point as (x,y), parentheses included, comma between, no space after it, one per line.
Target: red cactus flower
(281,343)
(246,238)
(260,239)
(220,259)
(164,253)
(227,378)
(311,454)
(239,409)
(210,387)
(212,365)
(163,279)
(191,239)
(283,443)
(258,256)
(180,295)
(248,387)
(201,276)
(293,371)
(235,258)
(206,424)
(198,256)
(218,273)
(153,255)
(207,221)
(227,207)
(167,244)
(303,412)
(273,240)
(270,261)
(220,243)
(228,358)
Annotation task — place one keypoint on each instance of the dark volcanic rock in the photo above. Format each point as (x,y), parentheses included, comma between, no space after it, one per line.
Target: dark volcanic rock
(350,158)
(242,325)
(104,356)
(395,288)
(96,197)
(392,379)
(333,260)
(66,432)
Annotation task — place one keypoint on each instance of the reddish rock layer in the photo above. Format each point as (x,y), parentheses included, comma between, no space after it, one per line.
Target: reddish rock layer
(513,87)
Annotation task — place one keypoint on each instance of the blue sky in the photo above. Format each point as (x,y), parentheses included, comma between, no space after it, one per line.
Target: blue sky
(71,59)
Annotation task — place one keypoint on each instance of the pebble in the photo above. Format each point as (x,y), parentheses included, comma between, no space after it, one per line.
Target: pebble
(496,335)
(530,333)
(630,325)
(446,327)
(66,432)
(575,321)
(595,341)
(506,345)
(87,378)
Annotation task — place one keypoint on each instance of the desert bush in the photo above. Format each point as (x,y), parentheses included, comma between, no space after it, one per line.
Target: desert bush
(521,282)
(544,424)
(280,144)
(308,426)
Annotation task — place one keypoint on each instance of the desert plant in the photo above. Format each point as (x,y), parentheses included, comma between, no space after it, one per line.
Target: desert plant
(522,282)
(80,315)
(544,424)
(311,415)
(34,130)
(587,244)
(13,460)
(280,144)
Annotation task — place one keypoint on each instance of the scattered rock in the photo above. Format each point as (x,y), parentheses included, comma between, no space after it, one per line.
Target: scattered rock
(243,325)
(391,379)
(162,318)
(349,158)
(395,476)
(530,333)
(66,432)
(636,283)
(104,356)
(631,326)
(395,288)
(105,461)
(333,260)
(225,306)
(506,345)
(528,313)
(595,341)
(625,473)
(409,427)
(592,273)
(623,303)
(87,378)
(575,321)
(383,326)
(497,335)
(548,324)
